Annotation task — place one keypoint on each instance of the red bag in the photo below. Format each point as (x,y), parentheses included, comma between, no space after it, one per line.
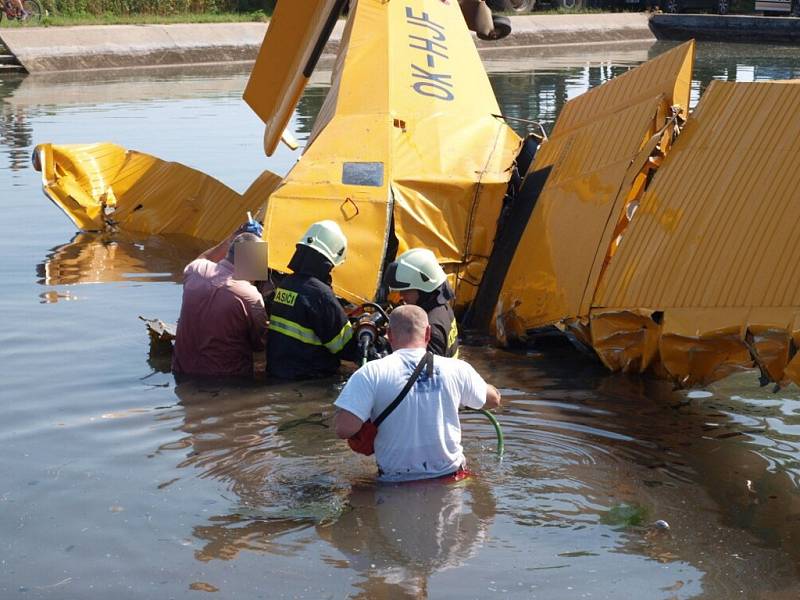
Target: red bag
(363,441)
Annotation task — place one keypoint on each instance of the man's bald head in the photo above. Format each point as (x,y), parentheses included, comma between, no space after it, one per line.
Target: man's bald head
(408,327)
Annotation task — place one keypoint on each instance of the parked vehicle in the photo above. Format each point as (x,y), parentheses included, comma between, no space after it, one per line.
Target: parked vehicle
(778,7)
(721,7)
(520,6)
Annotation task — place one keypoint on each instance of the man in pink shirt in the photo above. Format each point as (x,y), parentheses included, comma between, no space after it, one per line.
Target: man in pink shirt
(222,319)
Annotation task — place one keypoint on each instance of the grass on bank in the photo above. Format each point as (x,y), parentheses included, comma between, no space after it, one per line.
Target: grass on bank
(57,20)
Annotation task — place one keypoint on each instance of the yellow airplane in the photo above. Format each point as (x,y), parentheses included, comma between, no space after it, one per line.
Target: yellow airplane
(644,231)
(398,155)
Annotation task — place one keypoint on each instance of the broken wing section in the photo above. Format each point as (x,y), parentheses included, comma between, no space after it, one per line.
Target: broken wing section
(713,249)
(292,46)
(594,166)
(106,187)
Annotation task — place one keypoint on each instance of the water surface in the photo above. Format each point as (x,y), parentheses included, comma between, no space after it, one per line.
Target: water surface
(115,482)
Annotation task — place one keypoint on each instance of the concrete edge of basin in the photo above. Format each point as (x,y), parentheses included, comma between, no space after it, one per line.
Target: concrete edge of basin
(92,47)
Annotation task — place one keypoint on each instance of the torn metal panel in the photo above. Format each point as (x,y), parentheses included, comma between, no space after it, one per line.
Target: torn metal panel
(598,157)
(418,158)
(625,341)
(669,74)
(106,187)
(580,201)
(714,243)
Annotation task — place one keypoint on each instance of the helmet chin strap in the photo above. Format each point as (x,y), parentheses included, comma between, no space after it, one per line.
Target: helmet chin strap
(307,261)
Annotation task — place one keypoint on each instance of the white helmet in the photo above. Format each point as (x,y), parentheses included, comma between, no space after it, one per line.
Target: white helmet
(326,237)
(415,269)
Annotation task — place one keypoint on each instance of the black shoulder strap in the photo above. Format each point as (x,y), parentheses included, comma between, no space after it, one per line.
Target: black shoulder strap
(426,360)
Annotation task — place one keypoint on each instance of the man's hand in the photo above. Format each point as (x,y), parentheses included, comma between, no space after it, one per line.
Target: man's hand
(346,424)
(492,397)
(253,227)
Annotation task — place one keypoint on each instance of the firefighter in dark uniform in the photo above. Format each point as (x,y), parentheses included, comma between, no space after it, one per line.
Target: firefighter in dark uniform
(309,332)
(420,280)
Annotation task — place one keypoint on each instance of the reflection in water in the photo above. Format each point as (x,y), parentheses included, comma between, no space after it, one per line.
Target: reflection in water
(547,83)
(16,136)
(583,448)
(105,257)
(397,536)
(592,460)
(234,436)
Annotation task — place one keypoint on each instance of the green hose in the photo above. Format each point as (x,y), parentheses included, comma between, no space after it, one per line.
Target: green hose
(501,445)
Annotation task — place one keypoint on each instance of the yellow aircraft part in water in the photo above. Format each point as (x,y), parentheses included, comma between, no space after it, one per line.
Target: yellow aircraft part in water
(665,241)
(104,186)
(705,278)
(688,248)
(405,151)
(594,165)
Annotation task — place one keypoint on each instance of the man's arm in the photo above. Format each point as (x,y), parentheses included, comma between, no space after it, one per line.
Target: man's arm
(346,424)
(258,322)
(492,397)
(475,392)
(333,327)
(218,252)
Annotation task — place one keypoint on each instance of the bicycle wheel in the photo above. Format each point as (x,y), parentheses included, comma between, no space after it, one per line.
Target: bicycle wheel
(34,10)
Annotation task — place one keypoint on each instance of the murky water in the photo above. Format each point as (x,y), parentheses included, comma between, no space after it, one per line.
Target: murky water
(114,482)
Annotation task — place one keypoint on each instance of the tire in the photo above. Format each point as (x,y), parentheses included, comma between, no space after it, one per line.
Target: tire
(569,4)
(520,6)
(502,27)
(672,7)
(722,7)
(34,10)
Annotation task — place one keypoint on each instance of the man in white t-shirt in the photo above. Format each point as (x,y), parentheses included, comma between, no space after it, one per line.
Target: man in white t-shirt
(421,438)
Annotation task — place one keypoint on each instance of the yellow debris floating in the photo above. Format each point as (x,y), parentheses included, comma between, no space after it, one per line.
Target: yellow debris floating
(405,151)
(711,255)
(104,186)
(595,164)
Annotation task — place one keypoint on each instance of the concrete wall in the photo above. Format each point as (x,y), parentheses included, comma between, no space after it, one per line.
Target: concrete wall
(114,46)
(119,46)
(734,28)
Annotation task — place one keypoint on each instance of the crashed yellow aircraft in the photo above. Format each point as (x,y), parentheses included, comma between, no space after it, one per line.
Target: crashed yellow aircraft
(664,240)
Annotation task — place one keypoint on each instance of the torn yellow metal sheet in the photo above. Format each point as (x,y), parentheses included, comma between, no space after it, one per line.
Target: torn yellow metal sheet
(713,248)
(420,157)
(292,45)
(104,186)
(595,164)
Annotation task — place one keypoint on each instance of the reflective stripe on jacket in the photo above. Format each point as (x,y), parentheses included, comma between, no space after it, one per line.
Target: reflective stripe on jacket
(309,330)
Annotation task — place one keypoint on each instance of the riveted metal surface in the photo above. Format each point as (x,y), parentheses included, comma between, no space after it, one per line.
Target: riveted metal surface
(718,226)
